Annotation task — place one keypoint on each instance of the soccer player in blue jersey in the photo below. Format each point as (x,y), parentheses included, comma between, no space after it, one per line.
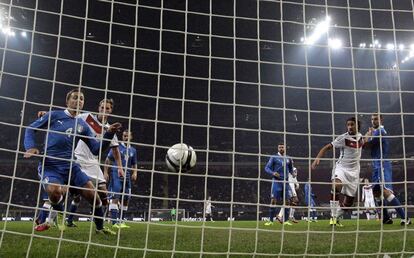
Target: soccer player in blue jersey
(382,170)
(310,202)
(279,166)
(120,186)
(63,131)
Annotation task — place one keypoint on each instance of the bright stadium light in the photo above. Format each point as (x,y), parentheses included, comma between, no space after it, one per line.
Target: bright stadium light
(412,46)
(390,46)
(401,47)
(320,29)
(335,43)
(362,45)
(23,34)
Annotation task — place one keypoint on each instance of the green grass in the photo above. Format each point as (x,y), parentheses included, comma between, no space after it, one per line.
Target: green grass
(240,239)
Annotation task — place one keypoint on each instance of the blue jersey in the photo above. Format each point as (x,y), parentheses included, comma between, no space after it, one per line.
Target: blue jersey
(309,196)
(379,146)
(128,157)
(281,164)
(64,131)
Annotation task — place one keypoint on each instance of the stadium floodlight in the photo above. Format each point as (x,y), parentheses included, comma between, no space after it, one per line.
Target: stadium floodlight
(335,43)
(320,29)
(390,46)
(412,46)
(362,45)
(23,34)
(401,47)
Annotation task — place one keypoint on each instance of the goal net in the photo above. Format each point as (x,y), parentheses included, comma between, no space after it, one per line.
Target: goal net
(232,79)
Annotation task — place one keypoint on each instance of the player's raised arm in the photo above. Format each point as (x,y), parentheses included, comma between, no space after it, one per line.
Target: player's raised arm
(321,153)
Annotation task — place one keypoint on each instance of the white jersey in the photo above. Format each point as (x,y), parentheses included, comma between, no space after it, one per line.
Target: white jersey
(208,207)
(368,196)
(351,149)
(82,152)
(293,181)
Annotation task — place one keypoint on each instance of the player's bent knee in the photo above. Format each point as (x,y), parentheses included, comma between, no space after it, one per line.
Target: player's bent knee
(348,201)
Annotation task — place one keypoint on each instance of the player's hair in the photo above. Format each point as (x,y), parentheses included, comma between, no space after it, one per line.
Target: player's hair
(353,119)
(281,143)
(78,90)
(107,101)
(378,115)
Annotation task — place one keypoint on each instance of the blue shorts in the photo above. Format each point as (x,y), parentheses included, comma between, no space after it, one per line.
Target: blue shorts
(377,176)
(116,187)
(56,175)
(277,191)
(43,193)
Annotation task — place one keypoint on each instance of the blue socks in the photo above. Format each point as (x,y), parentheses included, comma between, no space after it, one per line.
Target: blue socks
(393,201)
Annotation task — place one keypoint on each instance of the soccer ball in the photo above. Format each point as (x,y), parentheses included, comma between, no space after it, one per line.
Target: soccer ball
(180,154)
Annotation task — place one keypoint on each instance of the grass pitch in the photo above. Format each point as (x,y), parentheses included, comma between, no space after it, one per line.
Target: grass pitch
(218,239)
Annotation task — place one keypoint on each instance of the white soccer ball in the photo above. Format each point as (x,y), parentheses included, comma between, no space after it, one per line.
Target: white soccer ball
(181,155)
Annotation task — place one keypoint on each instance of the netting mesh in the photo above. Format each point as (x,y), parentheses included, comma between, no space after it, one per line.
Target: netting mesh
(230,78)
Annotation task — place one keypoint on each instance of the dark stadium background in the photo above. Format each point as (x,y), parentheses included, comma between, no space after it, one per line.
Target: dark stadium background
(240,105)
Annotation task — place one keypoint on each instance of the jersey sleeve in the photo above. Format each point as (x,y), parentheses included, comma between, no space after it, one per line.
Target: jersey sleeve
(110,155)
(29,135)
(376,136)
(339,141)
(134,158)
(269,166)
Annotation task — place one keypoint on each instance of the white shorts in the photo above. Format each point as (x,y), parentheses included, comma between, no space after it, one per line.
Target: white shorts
(349,179)
(94,172)
(293,190)
(369,203)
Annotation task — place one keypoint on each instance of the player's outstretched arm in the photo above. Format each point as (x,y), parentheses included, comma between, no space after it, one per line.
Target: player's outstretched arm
(134,175)
(321,153)
(108,164)
(117,156)
(94,144)
(29,135)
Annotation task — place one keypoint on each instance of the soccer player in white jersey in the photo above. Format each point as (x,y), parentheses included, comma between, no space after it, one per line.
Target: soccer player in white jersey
(98,123)
(294,185)
(368,198)
(345,176)
(208,207)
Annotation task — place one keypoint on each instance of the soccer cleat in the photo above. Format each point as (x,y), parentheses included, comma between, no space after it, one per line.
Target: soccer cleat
(60,221)
(42,227)
(105,231)
(269,223)
(116,226)
(405,222)
(388,221)
(287,223)
(123,225)
(293,220)
(71,224)
(279,219)
(332,221)
(338,224)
